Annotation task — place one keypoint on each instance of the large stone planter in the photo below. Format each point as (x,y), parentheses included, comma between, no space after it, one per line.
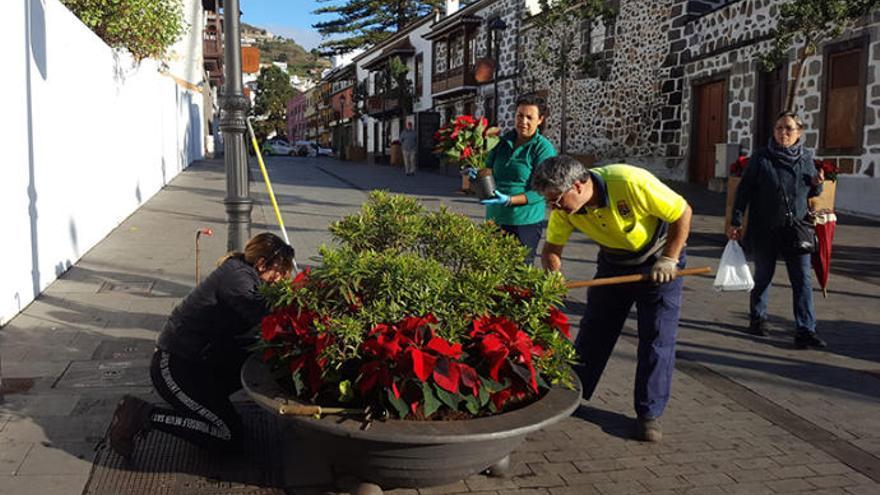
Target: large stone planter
(412,454)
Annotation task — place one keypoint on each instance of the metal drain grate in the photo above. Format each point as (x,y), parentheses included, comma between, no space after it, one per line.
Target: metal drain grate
(165,465)
(127,287)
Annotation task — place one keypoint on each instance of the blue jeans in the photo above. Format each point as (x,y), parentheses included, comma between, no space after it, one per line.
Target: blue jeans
(658,308)
(528,235)
(800,276)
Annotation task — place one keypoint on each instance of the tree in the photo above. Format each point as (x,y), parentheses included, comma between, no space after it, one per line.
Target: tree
(805,24)
(559,24)
(273,91)
(397,72)
(359,23)
(146,28)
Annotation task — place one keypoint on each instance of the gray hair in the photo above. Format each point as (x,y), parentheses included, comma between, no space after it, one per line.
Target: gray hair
(557,174)
(791,115)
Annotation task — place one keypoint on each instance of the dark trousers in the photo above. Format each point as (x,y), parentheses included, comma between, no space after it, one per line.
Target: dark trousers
(528,235)
(199,394)
(658,308)
(800,276)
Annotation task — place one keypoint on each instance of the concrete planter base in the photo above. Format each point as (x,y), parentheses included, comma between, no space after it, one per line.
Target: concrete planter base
(413,454)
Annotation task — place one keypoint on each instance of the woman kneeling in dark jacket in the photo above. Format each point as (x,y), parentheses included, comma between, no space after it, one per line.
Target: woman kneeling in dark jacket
(201,350)
(778,179)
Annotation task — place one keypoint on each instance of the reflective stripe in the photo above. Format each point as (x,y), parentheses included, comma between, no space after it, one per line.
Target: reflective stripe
(219,428)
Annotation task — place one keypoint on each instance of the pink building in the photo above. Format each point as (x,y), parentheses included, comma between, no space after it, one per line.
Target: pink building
(296,118)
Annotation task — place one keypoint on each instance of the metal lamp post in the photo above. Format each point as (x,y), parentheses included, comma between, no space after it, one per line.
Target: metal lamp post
(234,106)
(497,25)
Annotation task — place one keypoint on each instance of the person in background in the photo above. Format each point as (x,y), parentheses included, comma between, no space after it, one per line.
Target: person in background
(784,164)
(515,207)
(409,144)
(197,363)
(641,227)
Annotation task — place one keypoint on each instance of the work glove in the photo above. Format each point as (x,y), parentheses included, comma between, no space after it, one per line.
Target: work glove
(499,199)
(664,270)
(471,173)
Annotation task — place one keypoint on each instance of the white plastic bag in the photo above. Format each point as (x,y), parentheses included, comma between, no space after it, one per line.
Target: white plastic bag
(733,271)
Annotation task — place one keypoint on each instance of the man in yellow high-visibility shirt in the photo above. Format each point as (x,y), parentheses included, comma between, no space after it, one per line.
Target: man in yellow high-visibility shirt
(641,227)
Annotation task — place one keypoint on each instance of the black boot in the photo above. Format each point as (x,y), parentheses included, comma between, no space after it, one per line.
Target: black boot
(758,327)
(131,418)
(808,340)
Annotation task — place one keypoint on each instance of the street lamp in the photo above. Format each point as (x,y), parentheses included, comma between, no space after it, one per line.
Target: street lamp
(234,107)
(496,26)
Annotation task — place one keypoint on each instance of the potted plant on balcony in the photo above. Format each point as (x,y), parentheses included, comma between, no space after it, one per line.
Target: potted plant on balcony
(432,318)
(467,141)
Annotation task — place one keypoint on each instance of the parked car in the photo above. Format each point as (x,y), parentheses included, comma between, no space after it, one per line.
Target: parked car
(311,148)
(278,147)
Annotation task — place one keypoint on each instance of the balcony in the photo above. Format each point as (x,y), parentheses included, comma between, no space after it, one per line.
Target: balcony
(384,103)
(453,82)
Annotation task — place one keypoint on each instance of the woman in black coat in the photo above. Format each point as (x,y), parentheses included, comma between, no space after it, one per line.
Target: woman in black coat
(784,169)
(200,352)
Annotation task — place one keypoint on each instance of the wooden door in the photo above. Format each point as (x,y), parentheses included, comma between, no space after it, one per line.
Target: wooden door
(771,94)
(709,129)
(428,123)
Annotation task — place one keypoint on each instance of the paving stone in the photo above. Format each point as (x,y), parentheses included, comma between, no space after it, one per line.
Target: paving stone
(457,487)
(793,485)
(43,485)
(538,481)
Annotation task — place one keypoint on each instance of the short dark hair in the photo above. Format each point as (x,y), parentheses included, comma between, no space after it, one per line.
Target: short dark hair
(533,99)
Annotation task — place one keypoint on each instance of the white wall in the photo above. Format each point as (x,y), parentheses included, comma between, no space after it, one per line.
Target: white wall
(88,138)
(425,102)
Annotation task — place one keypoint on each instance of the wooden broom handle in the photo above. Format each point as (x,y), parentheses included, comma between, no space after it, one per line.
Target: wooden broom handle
(627,279)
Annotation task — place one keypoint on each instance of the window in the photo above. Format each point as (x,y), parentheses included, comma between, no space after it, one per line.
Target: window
(491,41)
(844,97)
(440,60)
(489,109)
(420,63)
(471,50)
(456,52)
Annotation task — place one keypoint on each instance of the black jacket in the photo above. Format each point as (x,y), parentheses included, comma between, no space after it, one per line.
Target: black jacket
(209,323)
(759,191)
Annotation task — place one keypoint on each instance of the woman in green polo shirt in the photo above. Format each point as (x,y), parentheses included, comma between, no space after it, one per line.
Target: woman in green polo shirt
(516,208)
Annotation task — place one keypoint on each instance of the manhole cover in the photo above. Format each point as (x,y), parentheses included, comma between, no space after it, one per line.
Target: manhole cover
(165,465)
(127,287)
(11,386)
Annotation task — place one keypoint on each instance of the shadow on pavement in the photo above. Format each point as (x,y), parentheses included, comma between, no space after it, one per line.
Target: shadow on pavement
(612,423)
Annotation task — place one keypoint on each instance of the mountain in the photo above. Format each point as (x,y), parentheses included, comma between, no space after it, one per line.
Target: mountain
(274,48)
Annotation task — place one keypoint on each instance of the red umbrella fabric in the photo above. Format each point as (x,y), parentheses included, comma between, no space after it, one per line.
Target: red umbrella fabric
(826,223)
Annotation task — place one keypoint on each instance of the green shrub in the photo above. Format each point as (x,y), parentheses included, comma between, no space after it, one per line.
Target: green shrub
(440,311)
(146,28)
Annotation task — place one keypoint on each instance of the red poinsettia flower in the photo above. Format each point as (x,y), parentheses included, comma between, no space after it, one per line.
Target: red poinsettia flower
(467,152)
(499,339)
(738,167)
(559,321)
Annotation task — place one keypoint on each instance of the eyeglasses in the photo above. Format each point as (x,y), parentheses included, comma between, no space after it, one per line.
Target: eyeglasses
(787,129)
(557,203)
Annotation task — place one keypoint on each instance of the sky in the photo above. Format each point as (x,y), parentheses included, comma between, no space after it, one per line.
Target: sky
(289,18)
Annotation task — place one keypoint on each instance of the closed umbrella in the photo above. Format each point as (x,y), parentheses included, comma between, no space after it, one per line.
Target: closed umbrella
(826,223)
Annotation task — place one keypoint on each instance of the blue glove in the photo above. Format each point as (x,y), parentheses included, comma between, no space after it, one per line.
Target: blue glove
(472,173)
(499,199)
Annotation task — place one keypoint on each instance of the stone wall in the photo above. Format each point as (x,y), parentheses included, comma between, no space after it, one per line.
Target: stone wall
(510,12)
(614,113)
(726,43)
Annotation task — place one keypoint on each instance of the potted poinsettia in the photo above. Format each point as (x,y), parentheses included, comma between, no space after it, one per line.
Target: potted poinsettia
(431,318)
(467,141)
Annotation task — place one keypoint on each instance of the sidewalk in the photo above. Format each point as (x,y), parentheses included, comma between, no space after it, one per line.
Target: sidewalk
(748,415)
